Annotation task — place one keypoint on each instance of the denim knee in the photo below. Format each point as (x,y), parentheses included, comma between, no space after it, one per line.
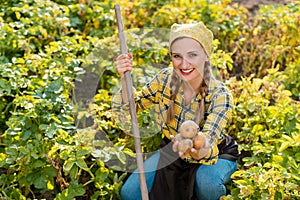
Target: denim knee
(131,188)
(130,191)
(210,189)
(211,179)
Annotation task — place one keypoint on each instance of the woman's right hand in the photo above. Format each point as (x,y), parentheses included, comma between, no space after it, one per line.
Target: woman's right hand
(124,63)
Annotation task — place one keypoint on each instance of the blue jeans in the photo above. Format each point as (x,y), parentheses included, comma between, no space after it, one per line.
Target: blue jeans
(210,179)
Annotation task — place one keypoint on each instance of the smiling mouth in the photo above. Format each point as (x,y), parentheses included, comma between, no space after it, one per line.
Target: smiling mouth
(187,71)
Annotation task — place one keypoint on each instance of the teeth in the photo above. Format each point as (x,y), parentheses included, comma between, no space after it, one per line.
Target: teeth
(187,70)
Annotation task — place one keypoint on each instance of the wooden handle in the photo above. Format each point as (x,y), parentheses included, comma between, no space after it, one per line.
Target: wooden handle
(134,122)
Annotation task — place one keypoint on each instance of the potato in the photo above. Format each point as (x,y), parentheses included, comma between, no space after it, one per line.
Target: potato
(188,129)
(199,140)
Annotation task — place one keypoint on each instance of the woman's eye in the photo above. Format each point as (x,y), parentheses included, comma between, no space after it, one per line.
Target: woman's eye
(176,56)
(193,55)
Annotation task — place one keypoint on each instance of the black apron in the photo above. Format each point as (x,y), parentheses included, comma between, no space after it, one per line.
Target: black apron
(174,178)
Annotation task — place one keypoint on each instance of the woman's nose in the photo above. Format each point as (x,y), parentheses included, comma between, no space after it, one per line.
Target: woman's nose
(184,63)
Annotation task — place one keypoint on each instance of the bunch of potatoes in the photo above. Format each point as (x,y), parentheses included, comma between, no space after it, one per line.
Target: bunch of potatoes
(189,141)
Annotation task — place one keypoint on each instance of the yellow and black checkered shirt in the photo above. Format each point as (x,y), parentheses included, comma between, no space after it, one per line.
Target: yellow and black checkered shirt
(156,93)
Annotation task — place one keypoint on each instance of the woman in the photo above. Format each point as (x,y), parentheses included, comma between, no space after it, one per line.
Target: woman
(188,91)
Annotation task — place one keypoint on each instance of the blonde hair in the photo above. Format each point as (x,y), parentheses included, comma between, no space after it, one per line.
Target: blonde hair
(174,87)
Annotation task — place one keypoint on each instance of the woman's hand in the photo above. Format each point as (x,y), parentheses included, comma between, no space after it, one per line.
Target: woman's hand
(198,153)
(180,145)
(124,63)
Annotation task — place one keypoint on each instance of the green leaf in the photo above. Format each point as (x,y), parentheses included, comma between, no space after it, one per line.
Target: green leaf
(284,146)
(241,182)
(72,191)
(82,152)
(37,164)
(101,175)
(26,135)
(121,156)
(277,158)
(65,153)
(69,164)
(40,181)
(3,85)
(51,130)
(49,171)
(74,172)
(76,189)
(296,177)
(129,152)
(288,138)
(23,150)
(297,157)
(56,119)
(81,163)
(2,159)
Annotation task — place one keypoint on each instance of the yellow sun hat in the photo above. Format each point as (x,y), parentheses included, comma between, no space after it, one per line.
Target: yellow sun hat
(197,31)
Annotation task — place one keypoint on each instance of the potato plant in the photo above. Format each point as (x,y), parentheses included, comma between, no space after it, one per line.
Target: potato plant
(266,125)
(56,143)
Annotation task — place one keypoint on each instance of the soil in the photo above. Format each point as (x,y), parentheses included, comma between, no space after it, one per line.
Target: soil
(253,5)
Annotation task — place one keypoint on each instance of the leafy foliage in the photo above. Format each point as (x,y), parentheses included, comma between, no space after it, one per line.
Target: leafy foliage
(266,124)
(47,148)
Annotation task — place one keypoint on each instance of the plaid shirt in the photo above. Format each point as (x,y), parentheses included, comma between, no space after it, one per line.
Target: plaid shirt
(219,104)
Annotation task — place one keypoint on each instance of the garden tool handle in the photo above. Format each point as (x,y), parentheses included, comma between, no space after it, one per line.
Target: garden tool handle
(134,122)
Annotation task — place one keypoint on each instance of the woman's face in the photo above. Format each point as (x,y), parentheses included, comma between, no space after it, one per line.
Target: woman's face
(188,58)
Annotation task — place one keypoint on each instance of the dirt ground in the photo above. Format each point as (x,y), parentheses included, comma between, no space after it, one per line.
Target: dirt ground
(253,5)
